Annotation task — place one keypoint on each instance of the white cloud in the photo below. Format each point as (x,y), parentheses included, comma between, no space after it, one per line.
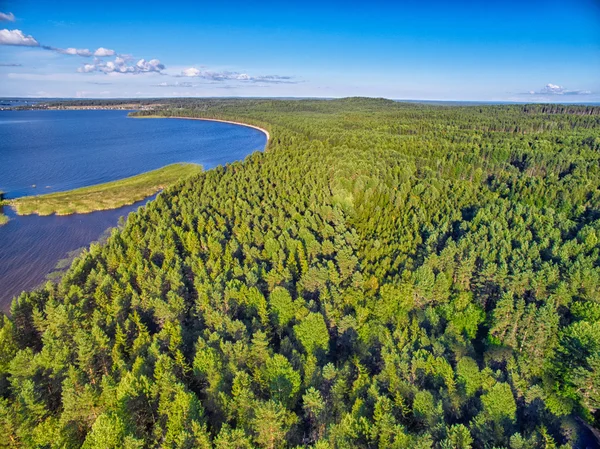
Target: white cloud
(192,71)
(7,17)
(103,63)
(215,76)
(104,52)
(235,76)
(153,65)
(16,37)
(87,68)
(552,89)
(120,65)
(100,52)
(555,89)
(74,51)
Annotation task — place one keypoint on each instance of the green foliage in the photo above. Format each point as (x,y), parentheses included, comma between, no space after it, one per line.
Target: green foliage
(3,218)
(469,375)
(108,432)
(459,437)
(110,195)
(425,409)
(283,309)
(499,403)
(271,424)
(383,275)
(284,382)
(312,333)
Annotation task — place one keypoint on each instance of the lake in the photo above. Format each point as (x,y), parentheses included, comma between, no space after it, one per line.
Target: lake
(49,151)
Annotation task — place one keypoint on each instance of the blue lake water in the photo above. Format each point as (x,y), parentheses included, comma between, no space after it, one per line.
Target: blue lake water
(48,151)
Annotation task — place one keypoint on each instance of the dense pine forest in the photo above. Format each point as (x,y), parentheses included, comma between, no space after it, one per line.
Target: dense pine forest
(383,275)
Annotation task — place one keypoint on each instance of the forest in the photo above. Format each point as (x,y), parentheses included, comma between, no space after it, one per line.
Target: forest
(383,275)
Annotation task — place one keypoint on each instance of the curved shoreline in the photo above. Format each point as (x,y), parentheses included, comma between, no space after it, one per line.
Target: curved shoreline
(13,204)
(52,237)
(264,131)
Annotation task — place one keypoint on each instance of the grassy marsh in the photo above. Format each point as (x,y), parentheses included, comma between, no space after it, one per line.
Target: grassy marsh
(110,195)
(3,218)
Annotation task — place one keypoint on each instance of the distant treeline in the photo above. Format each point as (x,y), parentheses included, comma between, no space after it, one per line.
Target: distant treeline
(203,104)
(100,102)
(384,275)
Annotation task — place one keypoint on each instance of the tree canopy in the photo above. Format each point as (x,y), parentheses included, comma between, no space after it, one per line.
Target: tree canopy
(383,275)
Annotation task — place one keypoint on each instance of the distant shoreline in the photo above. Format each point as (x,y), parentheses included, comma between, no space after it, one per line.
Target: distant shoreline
(264,131)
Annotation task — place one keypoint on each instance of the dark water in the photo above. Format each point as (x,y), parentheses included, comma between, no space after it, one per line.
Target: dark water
(32,245)
(62,150)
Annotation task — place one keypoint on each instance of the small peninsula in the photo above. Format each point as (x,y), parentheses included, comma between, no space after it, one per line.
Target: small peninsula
(3,218)
(110,195)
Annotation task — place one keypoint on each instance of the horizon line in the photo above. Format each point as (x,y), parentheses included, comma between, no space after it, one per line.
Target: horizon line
(417,100)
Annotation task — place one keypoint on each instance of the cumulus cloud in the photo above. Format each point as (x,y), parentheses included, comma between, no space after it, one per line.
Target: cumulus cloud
(192,71)
(100,52)
(554,89)
(235,76)
(154,65)
(87,68)
(124,64)
(7,17)
(121,65)
(75,51)
(16,37)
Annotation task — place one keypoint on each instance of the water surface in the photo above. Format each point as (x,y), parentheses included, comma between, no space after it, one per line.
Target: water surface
(49,151)
(31,246)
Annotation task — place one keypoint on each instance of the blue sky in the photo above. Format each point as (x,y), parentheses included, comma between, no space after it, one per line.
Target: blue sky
(443,50)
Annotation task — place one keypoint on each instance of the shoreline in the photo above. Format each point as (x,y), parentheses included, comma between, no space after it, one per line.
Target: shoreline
(264,131)
(13,204)
(104,196)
